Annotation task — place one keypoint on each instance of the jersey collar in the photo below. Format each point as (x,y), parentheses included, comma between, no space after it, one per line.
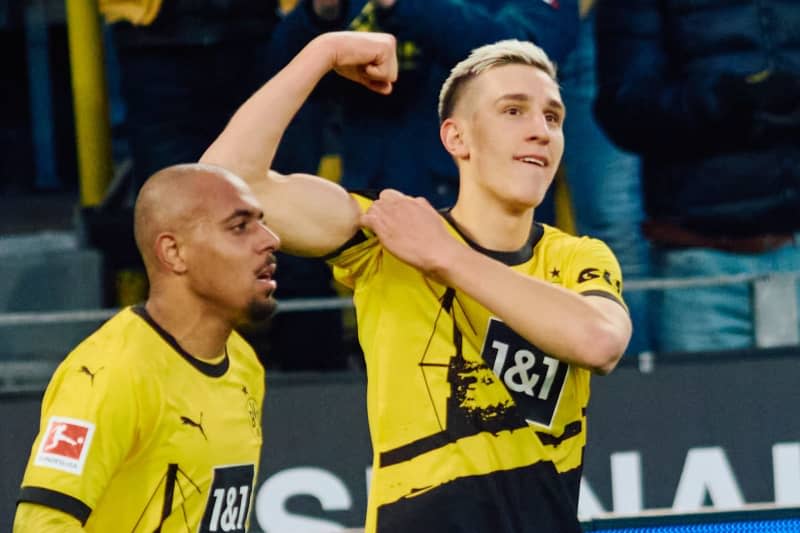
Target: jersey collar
(514,257)
(211,370)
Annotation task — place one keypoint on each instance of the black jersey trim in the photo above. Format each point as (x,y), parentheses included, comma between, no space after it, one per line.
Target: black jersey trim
(515,257)
(56,500)
(359,236)
(169,494)
(533,498)
(570,430)
(371,194)
(606,295)
(211,370)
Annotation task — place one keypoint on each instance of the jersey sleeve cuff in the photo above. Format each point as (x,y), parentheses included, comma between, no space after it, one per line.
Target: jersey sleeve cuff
(607,295)
(355,240)
(56,500)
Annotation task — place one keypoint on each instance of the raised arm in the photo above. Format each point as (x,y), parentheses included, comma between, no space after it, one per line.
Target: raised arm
(312,216)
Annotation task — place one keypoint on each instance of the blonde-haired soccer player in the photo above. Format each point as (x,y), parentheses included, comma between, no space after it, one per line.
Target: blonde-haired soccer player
(480,327)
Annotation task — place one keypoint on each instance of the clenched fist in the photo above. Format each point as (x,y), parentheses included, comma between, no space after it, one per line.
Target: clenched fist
(364,57)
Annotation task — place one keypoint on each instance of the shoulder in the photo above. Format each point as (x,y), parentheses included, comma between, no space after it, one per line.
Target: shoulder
(105,376)
(555,240)
(124,349)
(113,342)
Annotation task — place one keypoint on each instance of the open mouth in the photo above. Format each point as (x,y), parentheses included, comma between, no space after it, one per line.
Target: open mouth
(533,160)
(264,276)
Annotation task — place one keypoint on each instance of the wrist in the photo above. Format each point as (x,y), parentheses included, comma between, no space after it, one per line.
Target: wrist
(323,48)
(443,264)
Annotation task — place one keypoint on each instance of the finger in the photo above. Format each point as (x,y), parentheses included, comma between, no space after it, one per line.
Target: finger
(374,210)
(376,225)
(370,221)
(421,200)
(390,194)
(383,70)
(381,87)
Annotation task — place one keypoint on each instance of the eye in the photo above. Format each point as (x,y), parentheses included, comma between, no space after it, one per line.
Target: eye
(553,118)
(240,227)
(512,110)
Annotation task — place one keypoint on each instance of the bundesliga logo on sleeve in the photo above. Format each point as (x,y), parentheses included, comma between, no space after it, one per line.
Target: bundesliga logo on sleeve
(65,444)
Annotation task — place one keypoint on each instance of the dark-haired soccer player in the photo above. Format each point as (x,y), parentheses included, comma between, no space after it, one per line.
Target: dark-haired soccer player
(480,327)
(153,423)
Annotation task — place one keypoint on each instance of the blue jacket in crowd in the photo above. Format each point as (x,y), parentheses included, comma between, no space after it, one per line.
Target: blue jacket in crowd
(708,92)
(394,141)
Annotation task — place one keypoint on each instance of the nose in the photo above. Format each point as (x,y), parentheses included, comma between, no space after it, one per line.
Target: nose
(539,129)
(269,242)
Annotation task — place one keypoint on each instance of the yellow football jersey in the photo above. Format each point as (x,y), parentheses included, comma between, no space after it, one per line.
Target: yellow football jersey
(459,403)
(139,436)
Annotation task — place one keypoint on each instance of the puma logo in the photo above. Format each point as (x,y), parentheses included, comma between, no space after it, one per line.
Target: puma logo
(85,370)
(199,425)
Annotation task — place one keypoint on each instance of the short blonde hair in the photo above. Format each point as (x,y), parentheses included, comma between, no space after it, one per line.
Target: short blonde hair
(483,58)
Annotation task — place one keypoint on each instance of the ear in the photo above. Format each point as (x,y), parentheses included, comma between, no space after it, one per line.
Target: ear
(168,252)
(451,133)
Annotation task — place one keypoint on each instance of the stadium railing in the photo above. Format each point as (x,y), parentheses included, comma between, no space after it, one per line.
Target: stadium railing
(775,320)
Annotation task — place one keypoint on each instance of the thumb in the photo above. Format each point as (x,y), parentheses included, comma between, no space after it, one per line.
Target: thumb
(367,220)
(382,87)
(381,70)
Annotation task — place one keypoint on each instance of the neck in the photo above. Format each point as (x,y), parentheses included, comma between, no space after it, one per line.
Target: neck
(200,331)
(490,224)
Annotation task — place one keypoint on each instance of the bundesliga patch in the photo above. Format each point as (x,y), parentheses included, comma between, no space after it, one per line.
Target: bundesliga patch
(65,444)
(552,3)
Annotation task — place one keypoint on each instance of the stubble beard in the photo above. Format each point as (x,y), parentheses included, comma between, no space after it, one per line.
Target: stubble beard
(260,310)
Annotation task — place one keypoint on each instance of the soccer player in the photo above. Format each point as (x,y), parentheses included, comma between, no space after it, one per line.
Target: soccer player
(480,327)
(153,423)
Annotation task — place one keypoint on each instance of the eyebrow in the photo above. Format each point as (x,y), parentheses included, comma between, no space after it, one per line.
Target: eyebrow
(247,213)
(522,97)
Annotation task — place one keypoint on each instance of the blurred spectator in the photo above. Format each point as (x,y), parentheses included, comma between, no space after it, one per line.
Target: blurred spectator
(604,182)
(393,142)
(708,93)
(185,66)
(35,74)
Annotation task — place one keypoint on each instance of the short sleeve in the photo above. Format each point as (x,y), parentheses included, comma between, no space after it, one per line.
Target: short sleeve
(88,426)
(359,258)
(593,270)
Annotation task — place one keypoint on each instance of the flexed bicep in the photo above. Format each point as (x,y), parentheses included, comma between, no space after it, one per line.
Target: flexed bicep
(312,216)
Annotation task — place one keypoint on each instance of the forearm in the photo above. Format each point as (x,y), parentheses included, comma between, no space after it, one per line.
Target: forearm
(563,323)
(33,518)
(248,143)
